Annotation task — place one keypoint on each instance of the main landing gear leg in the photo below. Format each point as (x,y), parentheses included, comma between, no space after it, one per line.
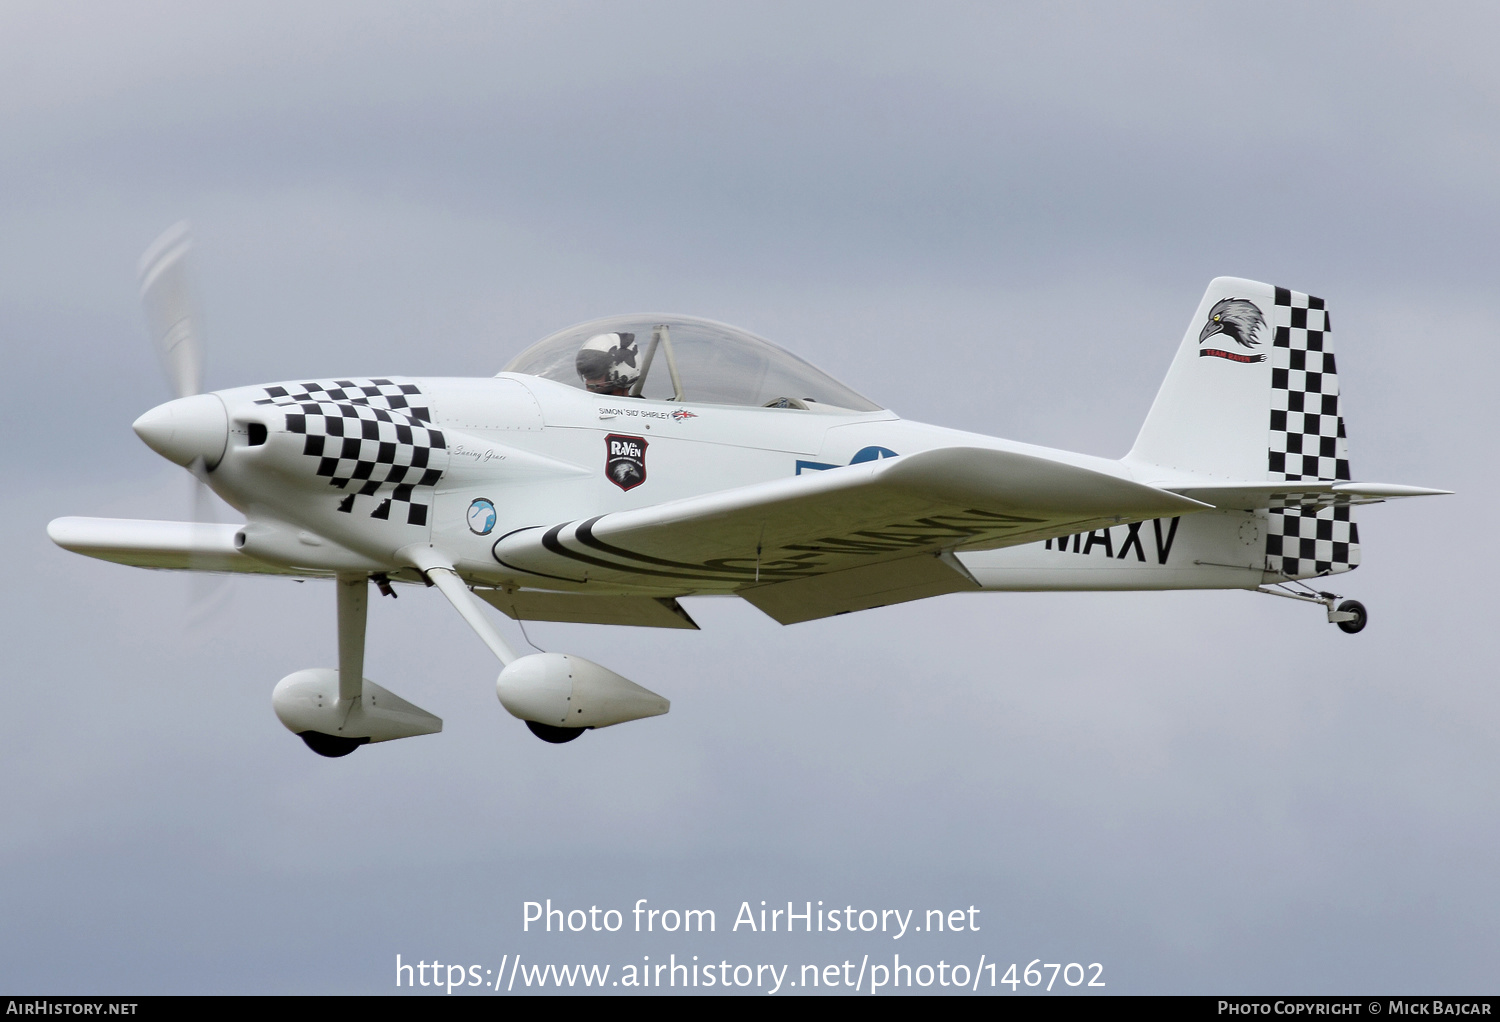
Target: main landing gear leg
(354,602)
(333,711)
(1350,615)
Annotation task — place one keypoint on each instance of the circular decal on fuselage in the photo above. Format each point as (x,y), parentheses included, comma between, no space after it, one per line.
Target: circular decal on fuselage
(481,516)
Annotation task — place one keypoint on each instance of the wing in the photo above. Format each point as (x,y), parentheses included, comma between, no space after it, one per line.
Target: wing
(641,611)
(190,546)
(839,540)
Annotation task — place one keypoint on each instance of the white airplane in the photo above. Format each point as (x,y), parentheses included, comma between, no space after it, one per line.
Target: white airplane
(619,465)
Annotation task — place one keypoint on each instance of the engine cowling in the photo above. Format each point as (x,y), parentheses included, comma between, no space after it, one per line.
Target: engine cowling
(562,690)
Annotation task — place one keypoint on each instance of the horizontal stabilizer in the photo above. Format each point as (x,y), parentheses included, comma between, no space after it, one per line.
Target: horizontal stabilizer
(1248,496)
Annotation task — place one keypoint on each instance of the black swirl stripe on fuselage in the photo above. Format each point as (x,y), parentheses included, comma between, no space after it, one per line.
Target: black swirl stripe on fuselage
(791,561)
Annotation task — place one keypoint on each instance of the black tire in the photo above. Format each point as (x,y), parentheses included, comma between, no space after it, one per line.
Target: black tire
(1360,617)
(552,733)
(332,746)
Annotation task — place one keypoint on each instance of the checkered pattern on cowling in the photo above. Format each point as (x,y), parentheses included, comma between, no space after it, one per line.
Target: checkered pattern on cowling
(370,435)
(1307,441)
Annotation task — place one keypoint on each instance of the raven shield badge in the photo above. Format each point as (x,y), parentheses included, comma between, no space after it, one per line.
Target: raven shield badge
(625,460)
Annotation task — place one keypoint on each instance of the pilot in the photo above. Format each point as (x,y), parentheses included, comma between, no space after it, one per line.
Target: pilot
(609,364)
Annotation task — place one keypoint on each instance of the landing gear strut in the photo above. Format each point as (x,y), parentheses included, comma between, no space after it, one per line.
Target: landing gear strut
(1350,615)
(333,711)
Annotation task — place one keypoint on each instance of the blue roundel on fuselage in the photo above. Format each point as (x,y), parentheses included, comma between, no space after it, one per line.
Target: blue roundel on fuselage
(872,454)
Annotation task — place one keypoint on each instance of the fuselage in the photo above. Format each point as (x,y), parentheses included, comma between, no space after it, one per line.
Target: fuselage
(537,451)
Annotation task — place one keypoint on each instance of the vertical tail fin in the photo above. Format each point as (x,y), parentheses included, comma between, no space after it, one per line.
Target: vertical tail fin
(1253,395)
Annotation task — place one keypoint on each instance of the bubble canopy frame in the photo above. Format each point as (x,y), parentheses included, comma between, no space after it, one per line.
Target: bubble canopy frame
(686,359)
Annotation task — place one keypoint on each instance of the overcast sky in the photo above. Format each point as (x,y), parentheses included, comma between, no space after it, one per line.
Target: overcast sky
(995,217)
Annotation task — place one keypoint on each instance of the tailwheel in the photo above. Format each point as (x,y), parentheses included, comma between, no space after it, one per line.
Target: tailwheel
(1349,615)
(1356,619)
(555,735)
(332,746)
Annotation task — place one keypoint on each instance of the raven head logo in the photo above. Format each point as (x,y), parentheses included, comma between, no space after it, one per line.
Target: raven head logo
(1236,318)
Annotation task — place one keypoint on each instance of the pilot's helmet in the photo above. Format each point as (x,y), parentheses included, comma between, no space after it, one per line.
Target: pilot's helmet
(609,363)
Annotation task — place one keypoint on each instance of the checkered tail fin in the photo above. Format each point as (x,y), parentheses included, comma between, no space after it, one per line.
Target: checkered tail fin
(1253,396)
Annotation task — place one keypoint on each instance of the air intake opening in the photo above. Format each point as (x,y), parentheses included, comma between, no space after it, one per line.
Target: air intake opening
(257,431)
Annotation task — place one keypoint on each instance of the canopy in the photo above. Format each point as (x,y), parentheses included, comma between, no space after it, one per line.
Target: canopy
(680,358)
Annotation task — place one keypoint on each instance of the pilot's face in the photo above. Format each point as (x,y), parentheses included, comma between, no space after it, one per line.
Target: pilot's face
(601,385)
